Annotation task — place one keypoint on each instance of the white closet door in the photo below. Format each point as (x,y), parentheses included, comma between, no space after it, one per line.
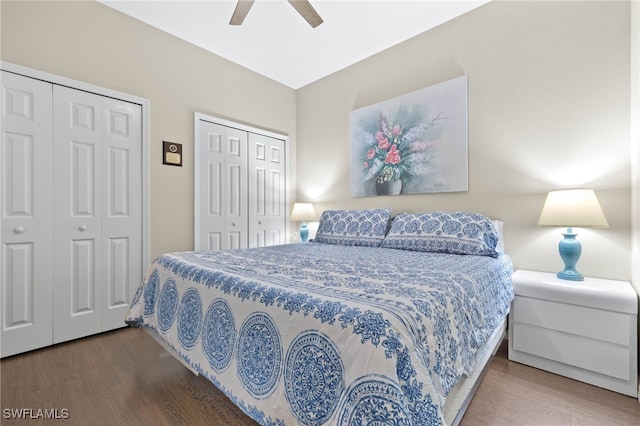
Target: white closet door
(278,189)
(122,208)
(71,206)
(258,190)
(77,185)
(240,187)
(235,200)
(209,220)
(267,216)
(26,200)
(222,215)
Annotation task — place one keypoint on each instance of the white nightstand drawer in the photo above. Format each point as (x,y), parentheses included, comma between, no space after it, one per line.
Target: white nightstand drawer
(593,355)
(598,324)
(608,295)
(586,330)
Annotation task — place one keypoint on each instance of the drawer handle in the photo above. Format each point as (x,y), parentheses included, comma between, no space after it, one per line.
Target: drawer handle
(82,227)
(233,224)
(18,230)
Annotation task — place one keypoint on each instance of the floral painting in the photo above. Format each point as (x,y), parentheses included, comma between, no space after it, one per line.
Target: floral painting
(415,143)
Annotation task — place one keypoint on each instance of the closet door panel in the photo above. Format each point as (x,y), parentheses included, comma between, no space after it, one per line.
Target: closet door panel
(259,221)
(259,189)
(77,215)
(267,191)
(121,154)
(25,204)
(277,198)
(209,219)
(235,187)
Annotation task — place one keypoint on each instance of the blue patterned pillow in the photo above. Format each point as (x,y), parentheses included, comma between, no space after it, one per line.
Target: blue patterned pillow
(441,232)
(353,227)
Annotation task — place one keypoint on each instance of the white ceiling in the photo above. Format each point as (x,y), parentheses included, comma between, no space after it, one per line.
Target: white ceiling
(277,42)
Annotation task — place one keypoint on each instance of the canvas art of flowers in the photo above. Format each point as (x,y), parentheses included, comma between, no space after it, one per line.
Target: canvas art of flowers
(411,144)
(397,149)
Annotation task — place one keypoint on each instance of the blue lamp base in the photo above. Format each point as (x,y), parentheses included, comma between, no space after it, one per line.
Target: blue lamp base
(304,232)
(570,250)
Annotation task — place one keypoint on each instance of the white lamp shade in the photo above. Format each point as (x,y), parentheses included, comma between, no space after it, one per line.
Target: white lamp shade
(303,212)
(573,207)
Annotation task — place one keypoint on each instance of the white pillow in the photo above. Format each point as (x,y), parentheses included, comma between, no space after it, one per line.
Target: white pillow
(498,225)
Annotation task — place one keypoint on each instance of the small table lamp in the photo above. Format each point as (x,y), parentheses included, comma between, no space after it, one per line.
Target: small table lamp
(572,207)
(303,212)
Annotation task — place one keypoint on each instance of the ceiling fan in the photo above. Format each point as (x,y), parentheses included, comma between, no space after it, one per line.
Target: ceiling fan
(303,7)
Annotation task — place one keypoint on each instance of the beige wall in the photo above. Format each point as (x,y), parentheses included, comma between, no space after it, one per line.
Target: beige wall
(548,108)
(90,42)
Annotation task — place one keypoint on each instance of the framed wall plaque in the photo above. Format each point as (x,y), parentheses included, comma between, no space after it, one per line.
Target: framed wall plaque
(172,153)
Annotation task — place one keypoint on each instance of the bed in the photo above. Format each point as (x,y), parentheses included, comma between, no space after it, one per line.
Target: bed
(375,320)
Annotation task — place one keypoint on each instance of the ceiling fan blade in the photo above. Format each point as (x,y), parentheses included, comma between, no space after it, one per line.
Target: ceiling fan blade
(242,8)
(307,11)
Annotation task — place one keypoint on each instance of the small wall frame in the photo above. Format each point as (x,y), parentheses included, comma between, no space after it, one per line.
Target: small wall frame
(172,153)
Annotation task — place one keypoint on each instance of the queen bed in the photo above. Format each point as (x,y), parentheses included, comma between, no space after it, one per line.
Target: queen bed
(369,322)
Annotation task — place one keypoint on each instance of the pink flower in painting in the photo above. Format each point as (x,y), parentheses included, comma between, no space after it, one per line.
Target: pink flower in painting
(383,142)
(371,153)
(393,156)
(398,148)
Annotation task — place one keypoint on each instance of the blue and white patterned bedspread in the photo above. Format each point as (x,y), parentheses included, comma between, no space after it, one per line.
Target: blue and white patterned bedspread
(325,334)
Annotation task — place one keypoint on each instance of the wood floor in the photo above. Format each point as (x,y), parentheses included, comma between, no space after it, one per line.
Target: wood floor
(124,378)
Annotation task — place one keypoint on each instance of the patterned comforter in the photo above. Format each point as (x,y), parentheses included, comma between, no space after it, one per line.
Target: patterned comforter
(325,334)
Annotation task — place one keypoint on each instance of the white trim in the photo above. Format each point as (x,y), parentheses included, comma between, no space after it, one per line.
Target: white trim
(197,117)
(144,103)
(635,144)
(634,136)
(245,127)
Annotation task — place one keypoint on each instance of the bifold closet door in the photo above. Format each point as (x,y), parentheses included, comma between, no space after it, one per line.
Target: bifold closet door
(267,203)
(122,208)
(97,211)
(27,223)
(222,212)
(77,214)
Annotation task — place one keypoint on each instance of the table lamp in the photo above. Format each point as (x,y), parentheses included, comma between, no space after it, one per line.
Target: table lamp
(572,207)
(303,212)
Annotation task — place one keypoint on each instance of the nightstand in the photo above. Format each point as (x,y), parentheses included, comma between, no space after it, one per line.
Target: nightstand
(585,330)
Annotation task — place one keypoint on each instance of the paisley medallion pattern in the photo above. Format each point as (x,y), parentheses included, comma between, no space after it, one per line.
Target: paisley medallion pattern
(189,318)
(313,378)
(218,335)
(375,401)
(353,227)
(443,232)
(259,354)
(150,293)
(328,333)
(167,305)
